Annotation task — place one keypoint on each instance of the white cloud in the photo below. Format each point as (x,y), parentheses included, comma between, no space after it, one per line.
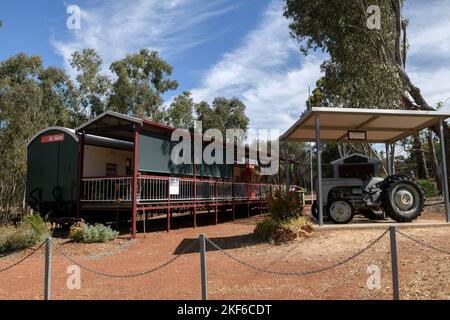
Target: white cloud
(429,52)
(118,27)
(266,71)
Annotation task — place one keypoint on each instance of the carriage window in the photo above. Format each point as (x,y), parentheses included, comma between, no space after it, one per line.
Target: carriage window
(111,169)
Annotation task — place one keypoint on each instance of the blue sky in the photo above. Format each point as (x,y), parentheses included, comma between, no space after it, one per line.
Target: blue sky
(217,48)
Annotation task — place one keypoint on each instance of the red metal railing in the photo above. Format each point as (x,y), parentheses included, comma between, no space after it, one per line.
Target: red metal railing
(152,189)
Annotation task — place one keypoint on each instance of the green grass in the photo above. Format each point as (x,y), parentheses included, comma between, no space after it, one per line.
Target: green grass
(32,230)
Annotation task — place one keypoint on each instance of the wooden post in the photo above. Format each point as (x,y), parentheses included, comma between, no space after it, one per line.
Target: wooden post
(80,173)
(135,182)
(168,206)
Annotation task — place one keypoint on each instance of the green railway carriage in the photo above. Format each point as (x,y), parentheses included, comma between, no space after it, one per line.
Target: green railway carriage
(52,163)
(121,164)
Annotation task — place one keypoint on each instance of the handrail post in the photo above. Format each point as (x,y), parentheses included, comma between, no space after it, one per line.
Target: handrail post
(48,268)
(203,266)
(394,266)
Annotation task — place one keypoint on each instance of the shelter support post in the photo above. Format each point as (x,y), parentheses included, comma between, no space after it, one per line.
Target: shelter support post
(286,167)
(319,170)
(444,170)
(388,159)
(80,173)
(135,182)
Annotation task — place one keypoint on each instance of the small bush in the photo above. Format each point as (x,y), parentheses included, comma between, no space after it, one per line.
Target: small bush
(279,231)
(85,233)
(284,205)
(32,230)
(429,187)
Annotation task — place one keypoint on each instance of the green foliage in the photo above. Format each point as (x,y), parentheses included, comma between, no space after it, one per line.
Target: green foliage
(141,79)
(223,114)
(30,232)
(366,67)
(40,228)
(180,112)
(266,228)
(93,86)
(85,233)
(284,205)
(429,187)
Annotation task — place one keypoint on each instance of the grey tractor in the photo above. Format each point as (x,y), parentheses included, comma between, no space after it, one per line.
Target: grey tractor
(356,188)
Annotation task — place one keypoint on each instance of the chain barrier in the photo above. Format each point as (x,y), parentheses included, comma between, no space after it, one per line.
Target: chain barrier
(305,273)
(23,259)
(125,276)
(429,246)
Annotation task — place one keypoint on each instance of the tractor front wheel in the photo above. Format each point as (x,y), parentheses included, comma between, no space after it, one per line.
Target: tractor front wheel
(341,211)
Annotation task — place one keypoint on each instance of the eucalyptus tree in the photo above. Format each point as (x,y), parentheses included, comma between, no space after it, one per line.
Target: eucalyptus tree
(366,66)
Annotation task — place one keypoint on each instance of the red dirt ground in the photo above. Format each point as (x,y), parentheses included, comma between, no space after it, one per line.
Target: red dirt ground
(423,273)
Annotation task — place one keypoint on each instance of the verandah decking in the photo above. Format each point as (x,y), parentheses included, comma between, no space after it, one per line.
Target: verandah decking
(153,194)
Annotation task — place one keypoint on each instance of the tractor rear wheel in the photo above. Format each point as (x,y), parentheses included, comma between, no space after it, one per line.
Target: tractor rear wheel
(403,198)
(315,211)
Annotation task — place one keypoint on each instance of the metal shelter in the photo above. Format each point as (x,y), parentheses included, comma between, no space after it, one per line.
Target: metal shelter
(366,125)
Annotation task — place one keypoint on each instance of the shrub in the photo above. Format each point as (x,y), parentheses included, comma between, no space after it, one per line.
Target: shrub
(85,233)
(429,187)
(283,205)
(279,231)
(32,230)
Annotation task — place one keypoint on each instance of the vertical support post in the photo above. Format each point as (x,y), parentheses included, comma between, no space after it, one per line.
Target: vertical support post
(216,218)
(444,170)
(394,266)
(135,181)
(195,192)
(203,266)
(80,173)
(48,268)
(286,167)
(312,172)
(388,159)
(319,170)
(144,221)
(168,206)
(232,195)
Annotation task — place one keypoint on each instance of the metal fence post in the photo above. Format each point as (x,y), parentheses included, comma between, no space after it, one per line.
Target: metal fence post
(48,268)
(394,266)
(203,265)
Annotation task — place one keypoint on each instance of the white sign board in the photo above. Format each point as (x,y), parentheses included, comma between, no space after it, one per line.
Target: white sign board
(174,186)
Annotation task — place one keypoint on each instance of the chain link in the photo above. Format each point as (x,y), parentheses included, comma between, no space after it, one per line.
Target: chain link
(124,276)
(23,259)
(429,246)
(304,273)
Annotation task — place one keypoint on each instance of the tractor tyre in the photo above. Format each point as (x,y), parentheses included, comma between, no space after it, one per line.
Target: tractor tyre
(403,198)
(315,211)
(340,211)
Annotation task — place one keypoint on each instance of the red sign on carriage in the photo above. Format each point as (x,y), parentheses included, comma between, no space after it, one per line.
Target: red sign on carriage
(52,138)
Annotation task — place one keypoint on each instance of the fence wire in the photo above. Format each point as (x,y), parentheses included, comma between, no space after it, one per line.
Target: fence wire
(23,259)
(420,242)
(303,273)
(124,276)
